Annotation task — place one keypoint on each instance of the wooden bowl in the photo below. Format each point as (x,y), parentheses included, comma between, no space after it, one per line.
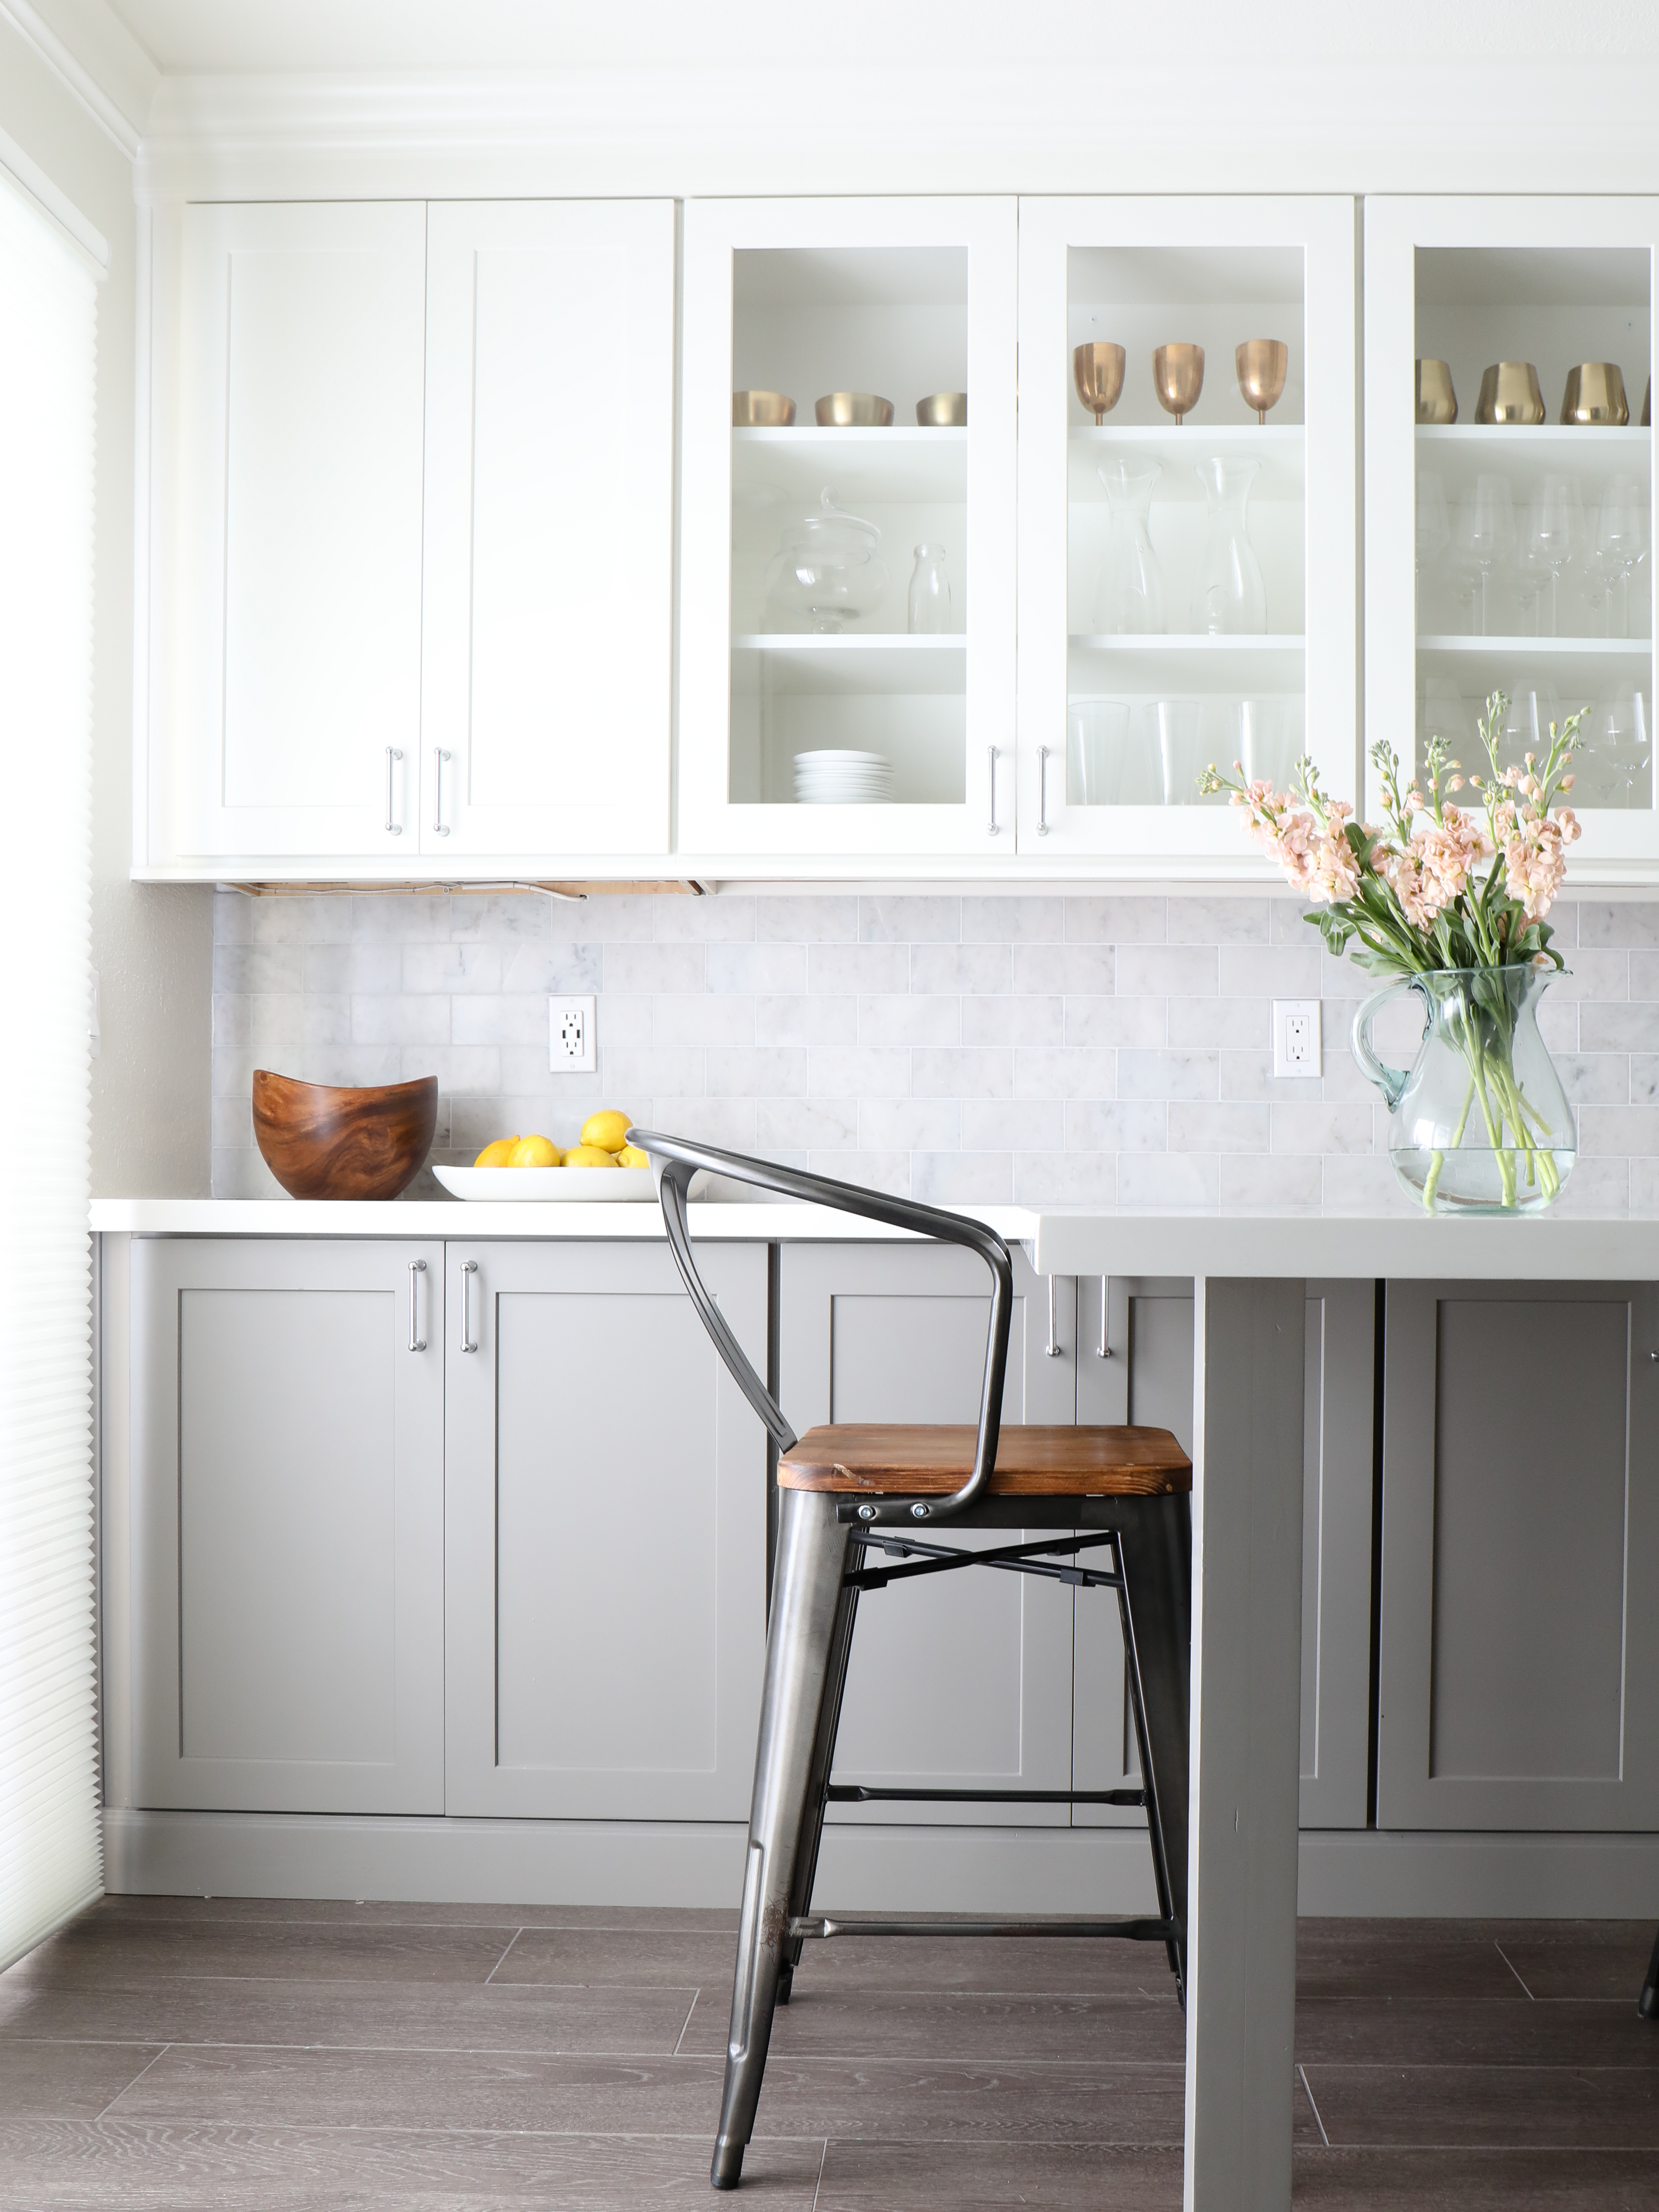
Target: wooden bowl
(326,1141)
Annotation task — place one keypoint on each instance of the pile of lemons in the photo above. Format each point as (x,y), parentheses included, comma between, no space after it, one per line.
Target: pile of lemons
(604,1145)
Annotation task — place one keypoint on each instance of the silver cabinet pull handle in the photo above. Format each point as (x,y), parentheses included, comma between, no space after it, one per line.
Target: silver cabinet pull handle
(417,1341)
(468,1269)
(393,755)
(439,756)
(1042,791)
(991,826)
(1051,1350)
(1102,1350)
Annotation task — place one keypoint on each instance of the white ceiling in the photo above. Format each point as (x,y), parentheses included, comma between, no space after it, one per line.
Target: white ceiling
(236,37)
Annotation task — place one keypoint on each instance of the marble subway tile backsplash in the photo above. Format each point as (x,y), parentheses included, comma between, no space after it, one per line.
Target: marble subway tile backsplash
(1024,1048)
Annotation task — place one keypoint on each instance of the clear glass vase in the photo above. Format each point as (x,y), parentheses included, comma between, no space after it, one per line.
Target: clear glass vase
(1129,594)
(1232,598)
(1480,1123)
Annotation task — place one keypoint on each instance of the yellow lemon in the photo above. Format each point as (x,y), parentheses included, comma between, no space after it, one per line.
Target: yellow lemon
(498,1155)
(631,1156)
(534,1152)
(589,1155)
(608,1129)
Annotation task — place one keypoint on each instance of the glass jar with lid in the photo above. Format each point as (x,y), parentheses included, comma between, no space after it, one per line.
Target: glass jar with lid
(827,572)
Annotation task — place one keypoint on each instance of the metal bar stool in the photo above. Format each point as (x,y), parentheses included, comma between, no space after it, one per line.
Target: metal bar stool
(848,1490)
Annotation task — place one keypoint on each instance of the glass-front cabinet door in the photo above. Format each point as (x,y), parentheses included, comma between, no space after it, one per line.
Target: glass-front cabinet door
(846,550)
(1187,523)
(1509,472)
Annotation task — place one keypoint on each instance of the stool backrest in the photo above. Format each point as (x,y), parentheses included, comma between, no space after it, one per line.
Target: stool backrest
(677,1159)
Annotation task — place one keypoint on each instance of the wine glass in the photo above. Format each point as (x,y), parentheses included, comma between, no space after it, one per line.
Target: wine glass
(1486,536)
(1621,537)
(1433,528)
(1555,536)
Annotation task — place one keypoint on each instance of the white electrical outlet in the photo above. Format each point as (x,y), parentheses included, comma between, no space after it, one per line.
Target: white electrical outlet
(1297,1049)
(573,1027)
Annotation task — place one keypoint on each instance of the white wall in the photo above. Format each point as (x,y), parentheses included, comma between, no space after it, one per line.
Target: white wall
(152,946)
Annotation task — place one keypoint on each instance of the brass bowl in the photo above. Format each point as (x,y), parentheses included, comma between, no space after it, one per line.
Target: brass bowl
(1595,393)
(1510,394)
(1261,363)
(943,410)
(762,411)
(854,410)
(1436,400)
(1178,377)
(332,1140)
(1097,373)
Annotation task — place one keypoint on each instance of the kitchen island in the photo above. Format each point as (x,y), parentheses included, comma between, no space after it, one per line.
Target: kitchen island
(424,1736)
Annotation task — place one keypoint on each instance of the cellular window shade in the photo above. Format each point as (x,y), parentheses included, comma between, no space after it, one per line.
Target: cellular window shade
(49,1850)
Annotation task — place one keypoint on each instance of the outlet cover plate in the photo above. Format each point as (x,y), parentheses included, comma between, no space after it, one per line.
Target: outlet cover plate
(573,1036)
(1298,1050)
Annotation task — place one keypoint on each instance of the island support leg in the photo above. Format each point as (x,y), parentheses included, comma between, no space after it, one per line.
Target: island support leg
(1246,1741)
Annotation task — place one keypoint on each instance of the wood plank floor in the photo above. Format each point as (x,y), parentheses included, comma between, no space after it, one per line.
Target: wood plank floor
(193,2054)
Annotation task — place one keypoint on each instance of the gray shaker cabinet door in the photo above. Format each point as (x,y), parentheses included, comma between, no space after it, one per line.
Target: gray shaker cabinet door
(606,1535)
(1145,1375)
(288,1513)
(1520,1643)
(961,1681)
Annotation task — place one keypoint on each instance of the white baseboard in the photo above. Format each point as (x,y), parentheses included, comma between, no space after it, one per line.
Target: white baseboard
(949,1869)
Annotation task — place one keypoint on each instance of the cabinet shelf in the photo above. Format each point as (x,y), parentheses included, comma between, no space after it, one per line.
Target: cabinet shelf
(1177,664)
(1279,448)
(1542,648)
(878,466)
(1584,440)
(838,666)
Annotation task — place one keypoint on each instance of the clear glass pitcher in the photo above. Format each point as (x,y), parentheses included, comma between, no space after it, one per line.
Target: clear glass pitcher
(1129,594)
(1480,1123)
(1232,598)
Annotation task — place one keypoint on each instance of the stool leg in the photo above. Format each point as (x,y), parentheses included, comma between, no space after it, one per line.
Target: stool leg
(823,1757)
(1155,1553)
(806,1594)
(1648,2004)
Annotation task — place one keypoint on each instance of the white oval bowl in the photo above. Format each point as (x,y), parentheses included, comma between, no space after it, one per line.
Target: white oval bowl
(549,1186)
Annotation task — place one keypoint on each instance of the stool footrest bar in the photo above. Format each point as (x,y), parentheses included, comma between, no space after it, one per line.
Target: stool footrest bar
(855,1793)
(1135,1932)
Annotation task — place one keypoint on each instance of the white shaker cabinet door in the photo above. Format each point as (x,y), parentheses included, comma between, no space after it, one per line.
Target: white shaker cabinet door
(288,1525)
(606,1544)
(549,529)
(959,1681)
(285,685)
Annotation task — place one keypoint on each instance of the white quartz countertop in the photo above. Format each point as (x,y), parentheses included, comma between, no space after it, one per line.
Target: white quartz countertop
(1078,1242)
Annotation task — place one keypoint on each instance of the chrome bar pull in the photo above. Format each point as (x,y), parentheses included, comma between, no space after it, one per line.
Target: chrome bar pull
(468,1269)
(393,755)
(1051,1350)
(1042,791)
(991,826)
(417,1341)
(439,756)
(1102,1350)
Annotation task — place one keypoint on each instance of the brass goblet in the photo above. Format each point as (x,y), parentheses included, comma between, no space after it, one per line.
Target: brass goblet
(1595,393)
(1436,400)
(1178,377)
(1510,394)
(1261,363)
(1097,373)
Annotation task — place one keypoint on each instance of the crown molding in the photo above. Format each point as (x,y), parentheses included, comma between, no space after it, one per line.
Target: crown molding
(1283,126)
(105,69)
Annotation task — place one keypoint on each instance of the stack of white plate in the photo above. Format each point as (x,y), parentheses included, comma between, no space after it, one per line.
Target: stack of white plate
(843,779)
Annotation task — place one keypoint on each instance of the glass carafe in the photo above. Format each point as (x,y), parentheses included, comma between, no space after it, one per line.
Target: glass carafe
(1129,594)
(1480,1123)
(1231,598)
(929,611)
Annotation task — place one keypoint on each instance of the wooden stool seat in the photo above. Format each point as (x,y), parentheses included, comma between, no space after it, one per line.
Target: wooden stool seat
(877,1458)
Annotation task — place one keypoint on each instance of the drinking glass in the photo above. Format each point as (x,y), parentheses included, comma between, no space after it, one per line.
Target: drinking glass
(1433,528)
(1555,536)
(1263,743)
(1525,728)
(1096,752)
(1486,536)
(1621,537)
(1615,767)
(1180,742)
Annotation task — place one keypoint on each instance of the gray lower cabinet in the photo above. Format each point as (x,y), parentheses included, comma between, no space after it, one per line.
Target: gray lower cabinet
(1520,1643)
(1145,1374)
(606,1534)
(963,1681)
(287,1525)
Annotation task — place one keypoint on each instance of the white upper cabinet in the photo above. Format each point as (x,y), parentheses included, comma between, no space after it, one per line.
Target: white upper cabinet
(1514,553)
(811,619)
(550,502)
(287,644)
(1187,581)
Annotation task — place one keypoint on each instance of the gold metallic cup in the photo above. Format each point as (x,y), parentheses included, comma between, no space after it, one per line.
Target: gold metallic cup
(1436,400)
(1261,363)
(1595,393)
(1097,373)
(943,410)
(1178,377)
(1510,394)
(762,411)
